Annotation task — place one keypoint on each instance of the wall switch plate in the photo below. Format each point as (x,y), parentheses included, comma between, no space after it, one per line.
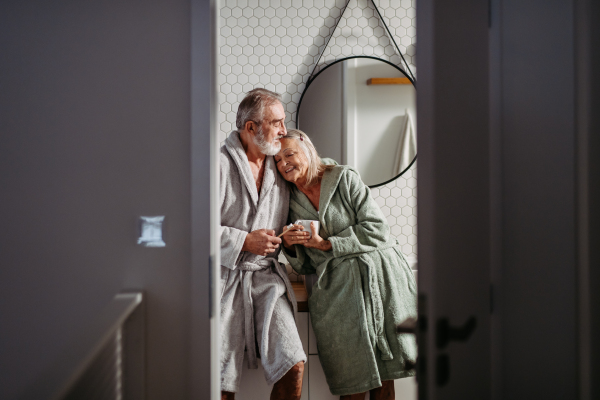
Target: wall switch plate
(151,231)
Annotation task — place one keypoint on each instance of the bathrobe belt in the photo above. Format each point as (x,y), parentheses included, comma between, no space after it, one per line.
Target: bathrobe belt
(247,269)
(374,295)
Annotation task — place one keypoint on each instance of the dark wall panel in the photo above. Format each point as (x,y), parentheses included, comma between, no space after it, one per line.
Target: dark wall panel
(94,132)
(539,298)
(594,195)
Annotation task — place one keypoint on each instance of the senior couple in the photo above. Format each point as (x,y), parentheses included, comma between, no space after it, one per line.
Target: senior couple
(270,178)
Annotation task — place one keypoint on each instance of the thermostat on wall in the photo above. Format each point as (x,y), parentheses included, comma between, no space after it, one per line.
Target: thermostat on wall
(151,231)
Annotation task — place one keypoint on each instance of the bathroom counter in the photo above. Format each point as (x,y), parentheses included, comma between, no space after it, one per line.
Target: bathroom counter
(301,296)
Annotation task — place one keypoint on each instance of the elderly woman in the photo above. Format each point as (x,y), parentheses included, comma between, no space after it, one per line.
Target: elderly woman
(365,286)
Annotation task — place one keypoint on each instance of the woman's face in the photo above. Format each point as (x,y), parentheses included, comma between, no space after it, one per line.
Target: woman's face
(291,161)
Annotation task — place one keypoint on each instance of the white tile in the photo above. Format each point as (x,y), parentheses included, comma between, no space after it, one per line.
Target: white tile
(253,79)
(236,12)
(258,31)
(412,239)
(275,60)
(269,70)
(391,220)
(406,388)
(253,385)
(312,339)
(280,69)
(296,41)
(303,328)
(275,41)
(242,78)
(390,201)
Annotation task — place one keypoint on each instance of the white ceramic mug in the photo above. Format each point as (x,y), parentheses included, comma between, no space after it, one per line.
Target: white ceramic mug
(306,225)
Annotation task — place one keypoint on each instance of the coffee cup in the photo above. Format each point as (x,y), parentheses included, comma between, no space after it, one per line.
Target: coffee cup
(306,225)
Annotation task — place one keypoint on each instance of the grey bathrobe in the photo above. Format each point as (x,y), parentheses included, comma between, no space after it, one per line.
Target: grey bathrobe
(257,302)
(365,286)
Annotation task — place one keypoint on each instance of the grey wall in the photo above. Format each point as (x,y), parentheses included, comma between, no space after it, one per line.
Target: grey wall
(94,131)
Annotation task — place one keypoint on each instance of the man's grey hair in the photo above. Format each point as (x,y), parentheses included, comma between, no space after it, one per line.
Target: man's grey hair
(252,107)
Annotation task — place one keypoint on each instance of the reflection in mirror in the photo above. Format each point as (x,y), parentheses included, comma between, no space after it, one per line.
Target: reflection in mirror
(359,119)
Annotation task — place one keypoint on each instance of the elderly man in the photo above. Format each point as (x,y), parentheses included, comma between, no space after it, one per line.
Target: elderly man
(257,302)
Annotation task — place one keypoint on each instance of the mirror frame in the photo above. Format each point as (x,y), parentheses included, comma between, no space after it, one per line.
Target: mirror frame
(311,80)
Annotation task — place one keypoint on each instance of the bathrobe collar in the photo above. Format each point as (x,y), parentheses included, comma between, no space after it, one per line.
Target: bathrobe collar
(329,183)
(236,150)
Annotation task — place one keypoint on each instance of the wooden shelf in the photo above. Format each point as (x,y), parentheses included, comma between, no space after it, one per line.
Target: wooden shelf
(301,296)
(389,81)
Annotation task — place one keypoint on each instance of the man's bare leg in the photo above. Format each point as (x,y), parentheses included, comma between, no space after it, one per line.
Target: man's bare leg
(227,396)
(289,387)
(384,392)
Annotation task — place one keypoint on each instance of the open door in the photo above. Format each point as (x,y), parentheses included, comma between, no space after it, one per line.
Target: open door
(454,200)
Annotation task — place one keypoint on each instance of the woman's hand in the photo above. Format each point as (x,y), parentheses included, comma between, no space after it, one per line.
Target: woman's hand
(316,241)
(294,235)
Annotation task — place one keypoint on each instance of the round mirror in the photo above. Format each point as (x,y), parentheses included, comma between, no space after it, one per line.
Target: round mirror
(361,111)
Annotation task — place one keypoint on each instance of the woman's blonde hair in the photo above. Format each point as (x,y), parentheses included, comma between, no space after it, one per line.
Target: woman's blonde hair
(316,167)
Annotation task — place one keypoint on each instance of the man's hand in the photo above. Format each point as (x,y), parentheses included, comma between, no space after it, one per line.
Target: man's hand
(261,242)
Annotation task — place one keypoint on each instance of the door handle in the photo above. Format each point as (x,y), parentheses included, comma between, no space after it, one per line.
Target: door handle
(445,333)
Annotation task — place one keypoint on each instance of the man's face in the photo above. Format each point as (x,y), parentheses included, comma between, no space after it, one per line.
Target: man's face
(271,130)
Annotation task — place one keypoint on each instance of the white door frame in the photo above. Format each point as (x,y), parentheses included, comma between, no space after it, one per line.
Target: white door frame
(205,380)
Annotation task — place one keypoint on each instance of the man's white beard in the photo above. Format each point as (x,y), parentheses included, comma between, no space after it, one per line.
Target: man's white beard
(269,149)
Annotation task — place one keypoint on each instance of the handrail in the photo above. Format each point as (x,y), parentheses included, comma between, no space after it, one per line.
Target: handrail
(64,373)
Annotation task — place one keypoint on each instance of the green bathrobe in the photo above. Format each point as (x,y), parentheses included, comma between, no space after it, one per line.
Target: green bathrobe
(365,286)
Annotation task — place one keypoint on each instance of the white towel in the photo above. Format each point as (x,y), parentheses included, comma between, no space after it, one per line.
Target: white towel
(407,146)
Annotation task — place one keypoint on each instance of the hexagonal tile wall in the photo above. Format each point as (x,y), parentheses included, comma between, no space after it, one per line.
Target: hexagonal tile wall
(398,201)
(276,43)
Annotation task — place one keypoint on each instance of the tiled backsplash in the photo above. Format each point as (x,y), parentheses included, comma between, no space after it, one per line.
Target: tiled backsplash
(276,43)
